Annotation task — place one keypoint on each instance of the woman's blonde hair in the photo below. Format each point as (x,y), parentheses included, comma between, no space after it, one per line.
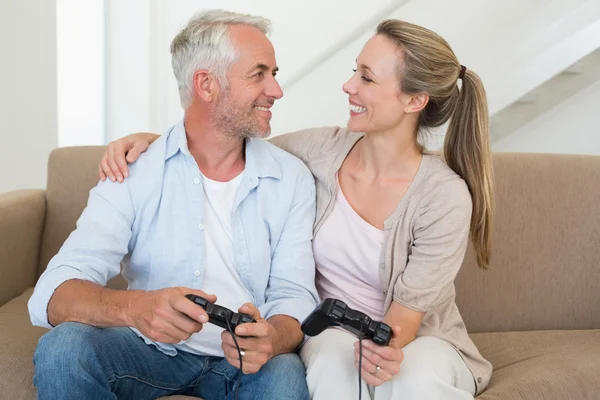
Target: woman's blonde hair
(430,66)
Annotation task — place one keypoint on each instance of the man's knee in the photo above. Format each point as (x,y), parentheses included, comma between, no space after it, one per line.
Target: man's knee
(64,355)
(61,347)
(285,377)
(72,347)
(286,367)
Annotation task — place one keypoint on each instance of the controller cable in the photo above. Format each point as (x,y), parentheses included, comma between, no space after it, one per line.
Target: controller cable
(239,378)
(360,346)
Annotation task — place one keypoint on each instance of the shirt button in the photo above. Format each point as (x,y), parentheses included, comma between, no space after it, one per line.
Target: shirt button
(201,227)
(196,180)
(197,273)
(479,380)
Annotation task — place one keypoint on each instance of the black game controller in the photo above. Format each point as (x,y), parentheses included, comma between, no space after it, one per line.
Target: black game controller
(333,312)
(220,315)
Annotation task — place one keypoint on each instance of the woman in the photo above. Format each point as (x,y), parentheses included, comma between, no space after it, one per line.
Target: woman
(393,221)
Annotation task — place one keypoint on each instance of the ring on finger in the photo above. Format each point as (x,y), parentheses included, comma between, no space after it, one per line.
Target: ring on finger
(242,353)
(377,369)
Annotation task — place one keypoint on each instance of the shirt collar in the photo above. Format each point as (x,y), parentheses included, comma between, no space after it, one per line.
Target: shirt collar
(176,141)
(259,159)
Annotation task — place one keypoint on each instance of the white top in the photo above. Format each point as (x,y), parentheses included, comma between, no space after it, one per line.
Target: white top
(348,246)
(220,276)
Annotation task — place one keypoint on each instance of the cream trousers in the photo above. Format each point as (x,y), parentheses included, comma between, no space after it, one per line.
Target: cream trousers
(432,369)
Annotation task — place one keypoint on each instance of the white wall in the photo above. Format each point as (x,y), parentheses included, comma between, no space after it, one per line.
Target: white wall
(81,72)
(512,44)
(28,105)
(317,42)
(572,127)
(129,66)
(142,91)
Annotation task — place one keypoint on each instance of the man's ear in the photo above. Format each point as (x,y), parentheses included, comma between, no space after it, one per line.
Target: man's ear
(415,102)
(206,86)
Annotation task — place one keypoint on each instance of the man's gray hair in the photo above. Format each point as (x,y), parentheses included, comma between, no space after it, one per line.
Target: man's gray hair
(205,44)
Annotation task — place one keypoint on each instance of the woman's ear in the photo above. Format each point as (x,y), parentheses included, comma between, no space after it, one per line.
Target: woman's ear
(414,102)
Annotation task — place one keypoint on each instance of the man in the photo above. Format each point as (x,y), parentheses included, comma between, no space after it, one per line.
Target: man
(212,210)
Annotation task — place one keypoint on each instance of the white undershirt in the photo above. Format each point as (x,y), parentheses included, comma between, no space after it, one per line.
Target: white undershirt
(220,276)
(347,251)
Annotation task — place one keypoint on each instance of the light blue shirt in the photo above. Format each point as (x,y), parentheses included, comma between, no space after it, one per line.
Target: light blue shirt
(153,222)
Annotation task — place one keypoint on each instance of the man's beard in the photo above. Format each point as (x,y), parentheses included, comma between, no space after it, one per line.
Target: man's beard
(237,122)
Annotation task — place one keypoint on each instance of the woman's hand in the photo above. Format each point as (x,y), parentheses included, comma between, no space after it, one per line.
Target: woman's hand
(121,152)
(379,363)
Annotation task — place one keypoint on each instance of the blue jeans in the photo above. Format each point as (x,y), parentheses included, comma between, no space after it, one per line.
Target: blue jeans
(77,361)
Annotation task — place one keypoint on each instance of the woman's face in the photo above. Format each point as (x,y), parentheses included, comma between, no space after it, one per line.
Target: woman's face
(374,90)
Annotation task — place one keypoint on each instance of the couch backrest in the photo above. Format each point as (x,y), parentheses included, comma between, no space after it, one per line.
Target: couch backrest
(72,173)
(545,270)
(546,257)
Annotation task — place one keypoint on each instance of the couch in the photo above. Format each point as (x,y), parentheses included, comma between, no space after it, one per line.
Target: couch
(535,314)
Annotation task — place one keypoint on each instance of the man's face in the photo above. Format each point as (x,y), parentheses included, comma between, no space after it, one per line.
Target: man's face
(243,109)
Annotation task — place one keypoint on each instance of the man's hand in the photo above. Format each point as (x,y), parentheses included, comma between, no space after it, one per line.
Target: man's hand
(255,339)
(166,315)
(380,363)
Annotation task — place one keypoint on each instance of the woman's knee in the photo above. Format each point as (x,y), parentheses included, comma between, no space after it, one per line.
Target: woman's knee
(414,379)
(430,365)
(331,347)
(427,352)
(329,361)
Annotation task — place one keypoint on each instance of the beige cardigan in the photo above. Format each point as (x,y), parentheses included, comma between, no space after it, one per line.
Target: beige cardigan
(426,236)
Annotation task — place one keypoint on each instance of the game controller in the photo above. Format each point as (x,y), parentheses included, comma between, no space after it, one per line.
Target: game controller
(334,312)
(219,315)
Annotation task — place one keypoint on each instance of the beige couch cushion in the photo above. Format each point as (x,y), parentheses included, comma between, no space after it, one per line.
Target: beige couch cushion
(72,173)
(18,339)
(22,214)
(545,265)
(542,365)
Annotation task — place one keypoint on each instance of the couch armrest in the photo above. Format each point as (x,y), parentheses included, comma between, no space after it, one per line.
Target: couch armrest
(22,215)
